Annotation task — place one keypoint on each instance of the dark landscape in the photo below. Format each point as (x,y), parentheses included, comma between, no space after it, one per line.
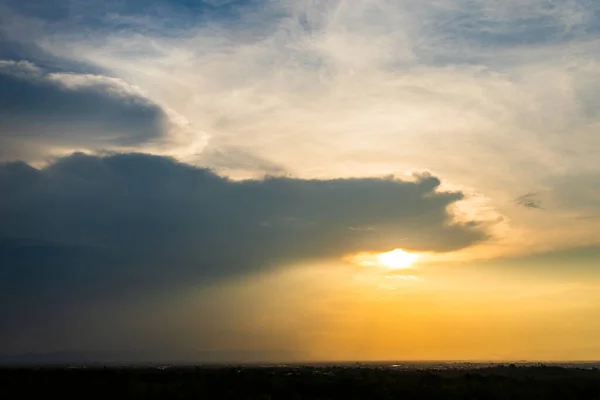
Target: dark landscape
(348,381)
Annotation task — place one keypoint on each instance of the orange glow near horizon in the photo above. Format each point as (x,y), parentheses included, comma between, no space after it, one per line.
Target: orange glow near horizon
(463,311)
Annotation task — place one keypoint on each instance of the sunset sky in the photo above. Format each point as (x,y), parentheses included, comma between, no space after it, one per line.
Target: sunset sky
(301,180)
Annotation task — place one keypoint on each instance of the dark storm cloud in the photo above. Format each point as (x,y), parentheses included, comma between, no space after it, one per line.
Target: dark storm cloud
(39,109)
(89,228)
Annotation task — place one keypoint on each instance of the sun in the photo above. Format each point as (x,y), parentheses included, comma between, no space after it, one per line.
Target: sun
(396,259)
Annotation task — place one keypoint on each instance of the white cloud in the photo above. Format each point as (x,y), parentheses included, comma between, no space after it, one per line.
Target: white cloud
(498,97)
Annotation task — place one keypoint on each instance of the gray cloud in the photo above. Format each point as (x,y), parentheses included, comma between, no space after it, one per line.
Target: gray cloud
(529,200)
(39,110)
(86,229)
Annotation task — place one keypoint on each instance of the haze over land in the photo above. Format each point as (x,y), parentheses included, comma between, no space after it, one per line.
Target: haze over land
(298,180)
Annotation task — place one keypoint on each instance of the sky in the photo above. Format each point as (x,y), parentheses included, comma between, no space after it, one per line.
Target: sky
(300,180)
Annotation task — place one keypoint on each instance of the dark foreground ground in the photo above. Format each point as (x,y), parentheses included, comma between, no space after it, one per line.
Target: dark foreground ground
(318,382)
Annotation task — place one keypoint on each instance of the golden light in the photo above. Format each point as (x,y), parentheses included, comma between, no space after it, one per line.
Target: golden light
(396,259)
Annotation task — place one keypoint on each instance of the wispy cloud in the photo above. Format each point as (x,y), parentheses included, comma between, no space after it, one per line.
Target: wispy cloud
(362,88)
(529,200)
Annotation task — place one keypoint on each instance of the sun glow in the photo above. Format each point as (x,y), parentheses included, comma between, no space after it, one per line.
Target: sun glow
(396,259)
